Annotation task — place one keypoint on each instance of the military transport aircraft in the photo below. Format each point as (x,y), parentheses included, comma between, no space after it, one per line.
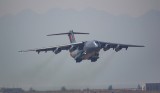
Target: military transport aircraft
(86,50)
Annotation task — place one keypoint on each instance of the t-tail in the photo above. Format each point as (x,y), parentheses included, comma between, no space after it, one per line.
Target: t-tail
(70,35)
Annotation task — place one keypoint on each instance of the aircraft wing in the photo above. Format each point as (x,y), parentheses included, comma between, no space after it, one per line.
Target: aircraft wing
(55,49)
(116,46)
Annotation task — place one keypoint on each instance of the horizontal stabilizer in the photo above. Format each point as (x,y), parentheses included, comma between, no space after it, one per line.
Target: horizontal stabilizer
(79,33)
(70,32)
(70,35)
(57,34)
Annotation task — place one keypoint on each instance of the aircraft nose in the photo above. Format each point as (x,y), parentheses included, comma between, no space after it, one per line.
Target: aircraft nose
(91,46)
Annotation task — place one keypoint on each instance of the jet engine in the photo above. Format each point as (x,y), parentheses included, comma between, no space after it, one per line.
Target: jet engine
(106,47)
(118,48)
(57,50)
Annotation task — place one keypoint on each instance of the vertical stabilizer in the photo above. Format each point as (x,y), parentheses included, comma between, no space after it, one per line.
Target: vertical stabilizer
(71,36)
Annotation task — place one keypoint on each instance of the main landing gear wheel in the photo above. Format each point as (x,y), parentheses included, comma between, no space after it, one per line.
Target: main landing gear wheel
(93,60)
(78,60)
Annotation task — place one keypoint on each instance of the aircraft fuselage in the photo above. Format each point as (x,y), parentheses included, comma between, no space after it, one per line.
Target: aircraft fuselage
(90,51)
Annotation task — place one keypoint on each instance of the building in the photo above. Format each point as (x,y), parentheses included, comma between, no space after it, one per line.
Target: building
(152,87)
(12,90)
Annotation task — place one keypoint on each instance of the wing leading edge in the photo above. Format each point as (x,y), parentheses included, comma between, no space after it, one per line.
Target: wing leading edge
(116,46)
(55,49)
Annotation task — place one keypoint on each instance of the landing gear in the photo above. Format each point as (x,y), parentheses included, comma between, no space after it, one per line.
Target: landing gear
(78,60)
(94,58)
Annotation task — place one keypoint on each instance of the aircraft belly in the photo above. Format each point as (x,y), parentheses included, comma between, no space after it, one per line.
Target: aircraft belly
(88,55)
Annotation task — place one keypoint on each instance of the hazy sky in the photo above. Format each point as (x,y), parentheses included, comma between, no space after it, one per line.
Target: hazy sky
(24,24)
(116,7)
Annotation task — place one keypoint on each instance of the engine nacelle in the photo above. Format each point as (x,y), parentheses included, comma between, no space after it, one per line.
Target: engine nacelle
(57,50)
(118,48)
(106,47)
(72,48)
